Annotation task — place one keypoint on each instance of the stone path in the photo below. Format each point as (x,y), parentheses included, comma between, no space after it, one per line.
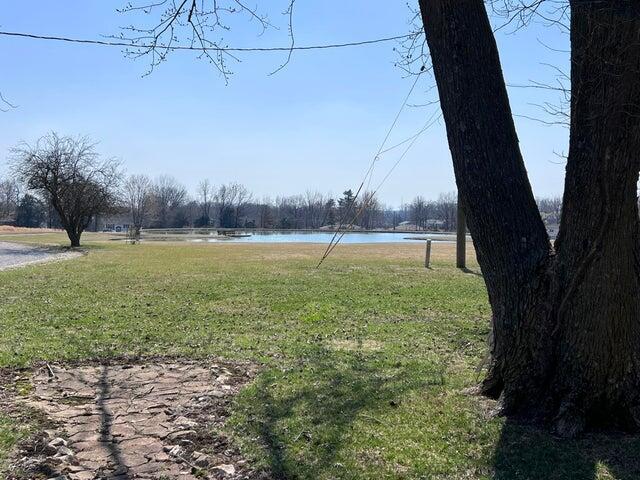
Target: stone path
(151,421)
(16,255)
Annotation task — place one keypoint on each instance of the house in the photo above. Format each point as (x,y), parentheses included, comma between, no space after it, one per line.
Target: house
(117,223)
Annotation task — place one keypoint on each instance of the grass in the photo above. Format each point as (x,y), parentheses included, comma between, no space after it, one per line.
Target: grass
(366,360)
(9,435)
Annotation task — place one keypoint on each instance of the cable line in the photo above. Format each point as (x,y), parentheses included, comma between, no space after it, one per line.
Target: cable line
(430,122)
(369,171)
(113,43)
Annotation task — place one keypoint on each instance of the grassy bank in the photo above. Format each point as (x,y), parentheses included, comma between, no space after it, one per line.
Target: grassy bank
(366,360)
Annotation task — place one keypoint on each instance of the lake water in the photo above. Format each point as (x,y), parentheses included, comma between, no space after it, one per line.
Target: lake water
(325,237)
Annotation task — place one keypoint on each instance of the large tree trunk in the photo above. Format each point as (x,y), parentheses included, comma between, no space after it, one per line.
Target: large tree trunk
(566,324)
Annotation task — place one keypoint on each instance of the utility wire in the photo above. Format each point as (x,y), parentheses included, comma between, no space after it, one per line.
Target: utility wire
(369,171)
(110,43)
(368,175)
(430,122)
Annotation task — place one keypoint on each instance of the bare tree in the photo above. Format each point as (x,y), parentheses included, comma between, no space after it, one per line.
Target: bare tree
(137,196)
(265,214)
(313,204)
(225,198)
(418,212)
(370,211)
(446,209)
(70,173)
(9,198)
(206,197)
(241,197)
(168,196)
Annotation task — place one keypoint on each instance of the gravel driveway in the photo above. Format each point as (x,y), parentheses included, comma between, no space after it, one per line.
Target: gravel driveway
(15,255)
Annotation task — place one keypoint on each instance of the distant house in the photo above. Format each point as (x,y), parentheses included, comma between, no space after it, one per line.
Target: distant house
(116,223)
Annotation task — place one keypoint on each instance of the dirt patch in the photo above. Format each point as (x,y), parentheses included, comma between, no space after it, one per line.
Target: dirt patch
(15,255)
(357,345)
(159,420)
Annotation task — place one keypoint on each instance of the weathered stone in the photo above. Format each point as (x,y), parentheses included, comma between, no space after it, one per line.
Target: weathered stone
(58,442)
(226,468)
(132,422)
(64,460)
(82,476)
(64,451)
(184,421)
(176,451)
(200,459)
(180,434)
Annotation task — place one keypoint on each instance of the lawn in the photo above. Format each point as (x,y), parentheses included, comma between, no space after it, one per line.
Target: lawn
(366,362)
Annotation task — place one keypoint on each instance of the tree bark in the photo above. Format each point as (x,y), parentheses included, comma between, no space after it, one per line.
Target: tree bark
(566,329)
(74,238)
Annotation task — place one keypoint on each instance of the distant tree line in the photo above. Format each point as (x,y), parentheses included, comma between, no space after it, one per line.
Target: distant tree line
(61,182)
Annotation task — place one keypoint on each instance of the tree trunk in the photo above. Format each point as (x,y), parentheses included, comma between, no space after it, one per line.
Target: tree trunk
(74,235)
(566,324)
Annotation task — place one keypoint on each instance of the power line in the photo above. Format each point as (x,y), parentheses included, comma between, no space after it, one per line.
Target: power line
(369,173)
(430,122)
(110,43)
(337,236)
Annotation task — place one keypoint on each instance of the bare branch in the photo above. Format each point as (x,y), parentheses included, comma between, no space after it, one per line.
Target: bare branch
(4,101)
(288,12)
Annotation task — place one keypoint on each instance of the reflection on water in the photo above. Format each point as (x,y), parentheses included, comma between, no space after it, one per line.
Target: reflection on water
(325,237)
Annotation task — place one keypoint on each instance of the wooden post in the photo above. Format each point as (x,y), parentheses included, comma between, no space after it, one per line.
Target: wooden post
(461,237)
(427,255)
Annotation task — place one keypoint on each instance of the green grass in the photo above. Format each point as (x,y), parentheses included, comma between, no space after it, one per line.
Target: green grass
(10,434)
(365,361)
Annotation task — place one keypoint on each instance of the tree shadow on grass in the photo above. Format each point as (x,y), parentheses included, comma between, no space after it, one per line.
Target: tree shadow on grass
(303,425)
(529,453)
(470,271)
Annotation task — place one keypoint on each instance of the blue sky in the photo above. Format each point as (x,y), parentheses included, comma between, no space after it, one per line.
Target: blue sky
(313,126)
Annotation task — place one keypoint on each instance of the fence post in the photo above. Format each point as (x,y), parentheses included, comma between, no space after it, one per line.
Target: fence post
(427,255)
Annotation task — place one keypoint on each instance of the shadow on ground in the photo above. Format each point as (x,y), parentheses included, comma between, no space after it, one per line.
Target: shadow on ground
(470,271)
(528,453)
(120,469)
(304,426)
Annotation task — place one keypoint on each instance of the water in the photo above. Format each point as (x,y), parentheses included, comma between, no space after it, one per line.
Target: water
(325,237)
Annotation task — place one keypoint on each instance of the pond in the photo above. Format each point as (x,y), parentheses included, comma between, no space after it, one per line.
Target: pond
(325,237)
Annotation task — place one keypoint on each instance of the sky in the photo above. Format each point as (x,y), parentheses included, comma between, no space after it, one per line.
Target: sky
(314,125)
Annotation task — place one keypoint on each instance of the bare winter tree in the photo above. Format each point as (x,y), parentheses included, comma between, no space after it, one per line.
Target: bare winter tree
(241,197)
(137,196)
(370,211)
(313,205)
(205,196)
(168,196)
(9,198)
(418,212)
(265,214)
(446,209)
(225,199)
(70,173)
